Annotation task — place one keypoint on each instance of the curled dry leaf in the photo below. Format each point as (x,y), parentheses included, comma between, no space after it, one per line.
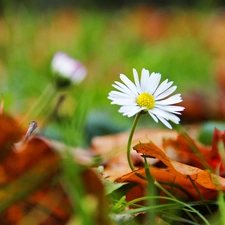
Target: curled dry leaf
(211,156)
(183,150)
(176,177)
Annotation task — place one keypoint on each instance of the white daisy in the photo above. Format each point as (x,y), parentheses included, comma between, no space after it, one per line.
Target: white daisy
(68,69)
(147,95)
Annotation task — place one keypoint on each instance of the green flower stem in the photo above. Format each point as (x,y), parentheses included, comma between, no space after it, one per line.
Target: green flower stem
(151,191)
(200,194)
(130,140)
(40,104)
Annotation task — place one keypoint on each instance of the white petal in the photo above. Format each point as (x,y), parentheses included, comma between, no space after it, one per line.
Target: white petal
(165,114)
(123,102)
(129,84)
(170,108)
(144,80)
(163,87)
(129,110)
(165,122)
(126,108)
(153,82)
(171,100)
(134,112)
(123,88)
(118,94)
(153,117)
(166,93)
(136,80)
(117,102)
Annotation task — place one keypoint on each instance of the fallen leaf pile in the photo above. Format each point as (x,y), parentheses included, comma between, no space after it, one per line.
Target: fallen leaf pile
(184,167)
(176,176)
(30,188)
(32,191)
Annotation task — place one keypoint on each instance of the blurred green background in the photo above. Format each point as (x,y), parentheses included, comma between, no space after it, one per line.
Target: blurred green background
(181,41)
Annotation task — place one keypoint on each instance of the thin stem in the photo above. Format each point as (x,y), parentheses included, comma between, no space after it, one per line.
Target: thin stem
(54,111)
(41,102)
(199,193)
(130,140)
(172,196)
(150,191)
(221,206)
(195,149)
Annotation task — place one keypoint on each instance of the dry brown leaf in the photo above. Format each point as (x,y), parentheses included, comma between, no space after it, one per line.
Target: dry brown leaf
(183,151)
(10,134)
(28,194)
(176,177)
(30,191)
(112,149)
(109,146)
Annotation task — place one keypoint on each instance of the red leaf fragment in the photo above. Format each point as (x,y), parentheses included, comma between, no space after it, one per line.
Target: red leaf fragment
(216,160)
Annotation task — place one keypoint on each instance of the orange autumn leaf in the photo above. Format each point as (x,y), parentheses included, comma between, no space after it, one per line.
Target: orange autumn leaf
(27,192)
(216,157)
(177,177)
(183,148)
(30,191)
(218,135)
(201,177)
(10,134)
(112,149)
(47,205)
(179,185)
(112,145)
(33,153)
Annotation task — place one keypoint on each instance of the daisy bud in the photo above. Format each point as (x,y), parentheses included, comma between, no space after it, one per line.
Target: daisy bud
(67,70)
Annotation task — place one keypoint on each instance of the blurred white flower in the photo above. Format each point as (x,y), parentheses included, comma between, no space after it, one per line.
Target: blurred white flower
(67,68)
(146,95)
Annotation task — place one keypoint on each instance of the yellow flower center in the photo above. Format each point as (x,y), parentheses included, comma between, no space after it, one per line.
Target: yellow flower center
(146,100)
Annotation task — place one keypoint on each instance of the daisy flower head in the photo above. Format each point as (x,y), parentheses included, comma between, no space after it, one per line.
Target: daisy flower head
(67,70)
(147,95)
